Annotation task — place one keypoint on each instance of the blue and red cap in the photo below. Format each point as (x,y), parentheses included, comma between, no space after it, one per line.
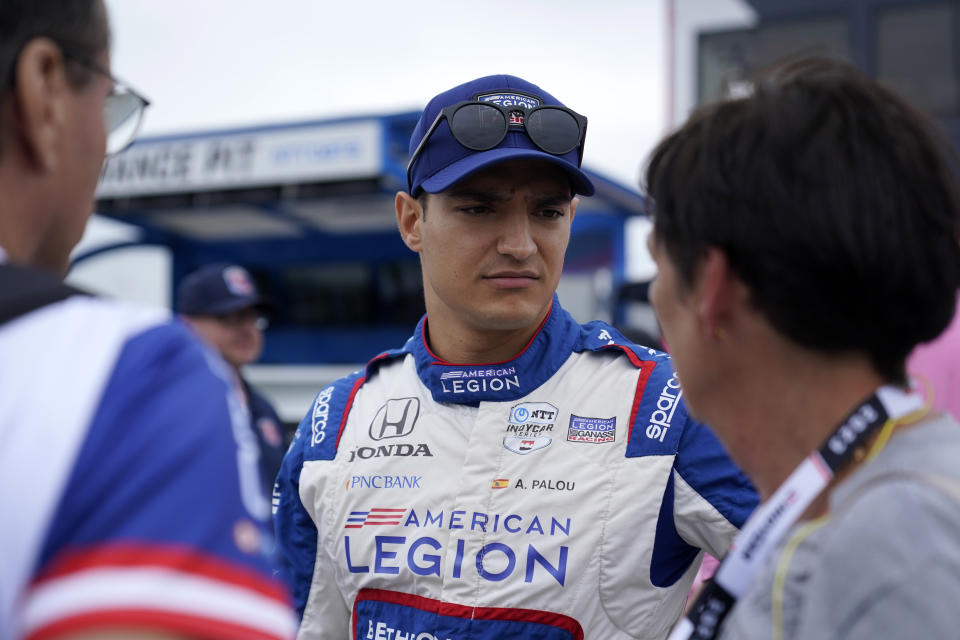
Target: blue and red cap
(443,161)
(219,289)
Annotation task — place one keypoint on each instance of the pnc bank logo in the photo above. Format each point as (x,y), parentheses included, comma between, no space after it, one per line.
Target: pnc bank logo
(395,418)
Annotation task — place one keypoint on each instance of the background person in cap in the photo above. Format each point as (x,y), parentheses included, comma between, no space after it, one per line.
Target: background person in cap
(806,238)
(129,510)
(507,472)
(222,304)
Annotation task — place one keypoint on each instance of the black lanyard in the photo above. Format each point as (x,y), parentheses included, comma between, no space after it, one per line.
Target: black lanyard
(770,522)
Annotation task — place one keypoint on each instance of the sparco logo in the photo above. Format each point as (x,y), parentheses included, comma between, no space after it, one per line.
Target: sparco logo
(321,411)
(666,405)
(395,419)
(390,450)
(479,380)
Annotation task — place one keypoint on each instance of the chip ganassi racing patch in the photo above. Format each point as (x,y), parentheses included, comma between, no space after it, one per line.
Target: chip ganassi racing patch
(598,430)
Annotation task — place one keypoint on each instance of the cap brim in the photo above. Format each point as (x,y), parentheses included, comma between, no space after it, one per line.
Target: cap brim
(229,306)
(465,167)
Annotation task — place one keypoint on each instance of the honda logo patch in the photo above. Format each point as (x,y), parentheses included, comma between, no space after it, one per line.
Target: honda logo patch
(395,418)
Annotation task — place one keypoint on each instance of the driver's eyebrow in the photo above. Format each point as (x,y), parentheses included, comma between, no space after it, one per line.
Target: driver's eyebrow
(552,200)
(478,195)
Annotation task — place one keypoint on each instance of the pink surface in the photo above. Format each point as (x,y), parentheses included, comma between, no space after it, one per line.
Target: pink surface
(707,569)
(936,365)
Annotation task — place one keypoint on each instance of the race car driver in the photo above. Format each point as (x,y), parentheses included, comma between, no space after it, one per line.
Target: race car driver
(507,472)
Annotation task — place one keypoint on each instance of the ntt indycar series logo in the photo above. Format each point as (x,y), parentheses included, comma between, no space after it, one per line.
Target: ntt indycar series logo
(479,380)
(528,425)
(531,418)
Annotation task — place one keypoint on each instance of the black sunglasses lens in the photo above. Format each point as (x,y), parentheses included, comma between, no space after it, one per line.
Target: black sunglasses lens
(553,130)
(478,126)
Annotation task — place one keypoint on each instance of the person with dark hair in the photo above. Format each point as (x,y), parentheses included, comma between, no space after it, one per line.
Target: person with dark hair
(508,473)
(132,508)
(807,237)
(222,304)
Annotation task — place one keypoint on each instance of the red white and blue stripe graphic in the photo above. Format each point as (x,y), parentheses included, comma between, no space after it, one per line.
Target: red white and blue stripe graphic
(160,588)
(375,516)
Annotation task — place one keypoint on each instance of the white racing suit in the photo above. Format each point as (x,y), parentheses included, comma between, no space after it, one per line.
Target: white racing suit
(563,494)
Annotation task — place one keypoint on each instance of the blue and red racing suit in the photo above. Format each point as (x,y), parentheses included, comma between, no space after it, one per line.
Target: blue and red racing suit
(563,494)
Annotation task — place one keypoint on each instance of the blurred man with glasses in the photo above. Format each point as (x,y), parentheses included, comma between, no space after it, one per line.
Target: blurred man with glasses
(222,304)
(130,489)
(508,472)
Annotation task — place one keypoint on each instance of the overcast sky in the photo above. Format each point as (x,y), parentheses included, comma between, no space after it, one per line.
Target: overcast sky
(215,63)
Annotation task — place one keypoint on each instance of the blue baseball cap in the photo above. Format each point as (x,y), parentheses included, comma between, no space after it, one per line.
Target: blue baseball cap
(218,289)
(443,161)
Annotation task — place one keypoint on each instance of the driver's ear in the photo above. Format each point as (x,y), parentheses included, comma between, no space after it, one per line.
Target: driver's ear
(410,214)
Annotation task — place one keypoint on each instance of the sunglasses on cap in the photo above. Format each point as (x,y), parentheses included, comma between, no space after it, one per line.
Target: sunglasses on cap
(481,126)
